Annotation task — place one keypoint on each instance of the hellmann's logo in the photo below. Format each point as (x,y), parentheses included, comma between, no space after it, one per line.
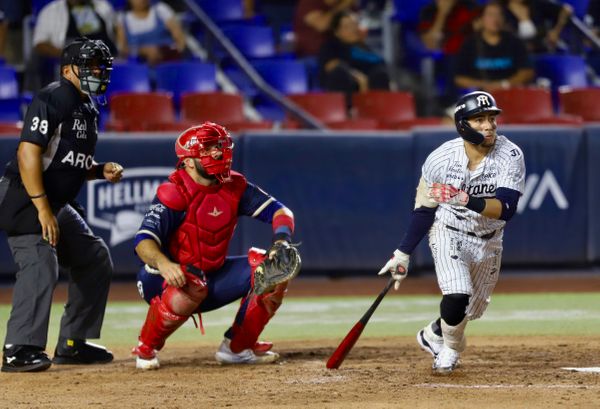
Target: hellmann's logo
(538,189)
(120,207)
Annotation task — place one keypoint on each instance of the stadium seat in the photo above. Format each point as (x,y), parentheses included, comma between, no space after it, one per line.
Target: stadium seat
(561,70)
(129,77)
(581,101)
(142,111)
(224,109)
(10,128)
(9,87)
(223,10)
(529,106)
(252,41)
(37,5)
(329,108)
(187,76)
(392,109)
(286,76)
(580,7)
(10,109)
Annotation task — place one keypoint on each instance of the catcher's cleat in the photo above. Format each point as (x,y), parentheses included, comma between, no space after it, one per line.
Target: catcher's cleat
(146,357)
(78,352)
(25,358)
(226,356)
(446,361)
(262,347)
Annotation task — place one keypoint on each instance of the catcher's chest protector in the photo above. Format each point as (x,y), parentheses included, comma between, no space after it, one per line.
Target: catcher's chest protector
(211,216)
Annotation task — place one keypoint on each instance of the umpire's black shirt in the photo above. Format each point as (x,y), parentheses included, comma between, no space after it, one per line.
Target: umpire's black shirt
(64,123)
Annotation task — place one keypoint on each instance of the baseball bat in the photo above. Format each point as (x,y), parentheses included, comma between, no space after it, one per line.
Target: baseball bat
(338,356)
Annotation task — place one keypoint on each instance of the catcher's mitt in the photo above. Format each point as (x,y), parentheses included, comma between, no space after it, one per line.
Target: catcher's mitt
(281,264)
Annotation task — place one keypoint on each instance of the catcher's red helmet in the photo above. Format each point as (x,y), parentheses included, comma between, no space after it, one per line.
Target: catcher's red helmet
(211,144)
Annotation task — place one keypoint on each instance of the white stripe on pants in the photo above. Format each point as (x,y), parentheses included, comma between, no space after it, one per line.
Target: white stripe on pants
(465,264)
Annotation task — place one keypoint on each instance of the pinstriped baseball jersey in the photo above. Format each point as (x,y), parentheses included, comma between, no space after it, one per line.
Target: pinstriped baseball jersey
(467,246)
(503,166)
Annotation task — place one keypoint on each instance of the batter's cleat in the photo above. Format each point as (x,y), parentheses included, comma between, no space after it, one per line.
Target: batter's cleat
(78,352)
(146,357)
(446,361)
(25,358)
(430,341)
(226,356)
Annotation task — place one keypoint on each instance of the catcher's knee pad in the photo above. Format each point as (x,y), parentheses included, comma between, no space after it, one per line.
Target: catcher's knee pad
(185,300)
(453,308)
(160,323)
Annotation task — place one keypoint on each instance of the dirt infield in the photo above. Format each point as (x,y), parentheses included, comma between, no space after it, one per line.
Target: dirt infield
(379,373)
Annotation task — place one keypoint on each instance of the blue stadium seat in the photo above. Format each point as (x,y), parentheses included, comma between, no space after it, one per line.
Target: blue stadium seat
(252,41)
(37,5)
(186,76)
(286,76)
(10,109)
(580,7)
(561,70)
(9,87)
(408,11)
(129,77)
(223,10)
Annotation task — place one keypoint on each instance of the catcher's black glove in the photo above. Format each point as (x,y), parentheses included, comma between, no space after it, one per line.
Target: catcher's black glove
(281,264)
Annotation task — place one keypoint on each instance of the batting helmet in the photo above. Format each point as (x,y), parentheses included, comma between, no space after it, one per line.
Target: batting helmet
(94,61)
(468,106)
(200,142)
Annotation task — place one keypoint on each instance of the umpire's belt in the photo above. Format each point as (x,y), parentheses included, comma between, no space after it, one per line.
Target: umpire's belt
(485,236)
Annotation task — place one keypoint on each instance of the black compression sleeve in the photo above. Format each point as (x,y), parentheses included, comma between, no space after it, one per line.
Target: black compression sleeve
(420,222)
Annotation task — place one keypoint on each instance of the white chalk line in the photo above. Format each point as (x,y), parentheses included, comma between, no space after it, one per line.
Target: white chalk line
(504,386)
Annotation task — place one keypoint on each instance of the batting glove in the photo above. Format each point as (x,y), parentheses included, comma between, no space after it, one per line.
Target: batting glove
(441,193)
(397,266)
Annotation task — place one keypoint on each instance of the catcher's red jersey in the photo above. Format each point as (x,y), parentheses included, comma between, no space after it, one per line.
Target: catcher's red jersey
(211,215)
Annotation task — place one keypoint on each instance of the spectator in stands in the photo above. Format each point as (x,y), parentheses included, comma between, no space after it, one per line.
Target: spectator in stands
(150,31)
(12,13)
(444,24)
(311,21)
(346,63)
(493,58)
(538,23)
(59,22)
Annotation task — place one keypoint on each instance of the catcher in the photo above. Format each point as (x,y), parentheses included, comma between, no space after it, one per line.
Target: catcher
(183,242)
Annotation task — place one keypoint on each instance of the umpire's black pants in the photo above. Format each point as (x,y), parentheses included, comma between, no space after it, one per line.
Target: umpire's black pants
(88,261)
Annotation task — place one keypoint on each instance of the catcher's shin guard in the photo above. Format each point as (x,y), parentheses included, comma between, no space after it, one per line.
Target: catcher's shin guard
(171,310)
(255,310)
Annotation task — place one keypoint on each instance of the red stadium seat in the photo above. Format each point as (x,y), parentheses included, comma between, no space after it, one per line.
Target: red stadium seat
(530,106)
(329,108)
(143,111)
(224,109)
(10,128)
(581,101)
(393,110)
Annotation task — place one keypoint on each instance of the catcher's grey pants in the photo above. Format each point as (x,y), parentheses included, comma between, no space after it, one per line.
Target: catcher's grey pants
(87,259)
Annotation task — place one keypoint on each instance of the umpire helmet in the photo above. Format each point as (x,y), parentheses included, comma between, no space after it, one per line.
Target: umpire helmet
(94,61)
(468,106)
(199,142)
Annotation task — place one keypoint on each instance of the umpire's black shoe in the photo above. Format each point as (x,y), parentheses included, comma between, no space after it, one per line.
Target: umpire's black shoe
(79,352)
(25,358)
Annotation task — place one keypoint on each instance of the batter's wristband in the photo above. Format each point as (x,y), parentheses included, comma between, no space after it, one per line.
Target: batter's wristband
(99,171)
(477,204)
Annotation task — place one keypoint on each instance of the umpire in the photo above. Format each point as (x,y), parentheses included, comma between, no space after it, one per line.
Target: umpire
(54,158)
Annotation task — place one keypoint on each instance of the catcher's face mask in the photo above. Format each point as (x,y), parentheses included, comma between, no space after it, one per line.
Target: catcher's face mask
(212,145)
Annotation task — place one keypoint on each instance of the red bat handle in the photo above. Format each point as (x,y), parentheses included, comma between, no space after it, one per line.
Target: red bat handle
(338,356)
